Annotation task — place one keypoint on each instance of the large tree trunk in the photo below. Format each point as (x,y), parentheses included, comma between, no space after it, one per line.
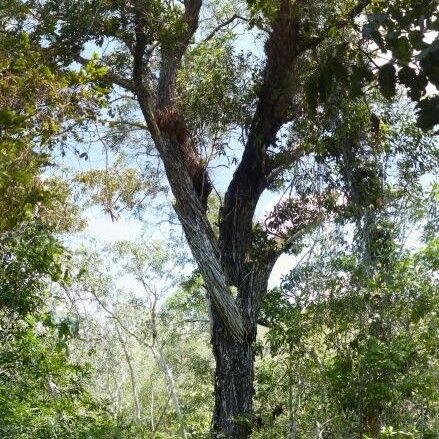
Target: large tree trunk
(234,374)
(232,416)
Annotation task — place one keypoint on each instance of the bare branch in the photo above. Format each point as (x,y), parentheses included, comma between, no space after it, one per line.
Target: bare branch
(223,25)
(282,161)
(130,123)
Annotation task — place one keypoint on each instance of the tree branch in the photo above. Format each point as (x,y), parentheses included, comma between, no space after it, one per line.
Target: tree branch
(140,44)
(249,181)
(282,161)
(112,77)
(283,47)
(173,54)
(223,25)
(188,205)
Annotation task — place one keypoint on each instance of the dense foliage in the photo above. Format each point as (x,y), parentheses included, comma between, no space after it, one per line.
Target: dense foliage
(42,393)
(357,347)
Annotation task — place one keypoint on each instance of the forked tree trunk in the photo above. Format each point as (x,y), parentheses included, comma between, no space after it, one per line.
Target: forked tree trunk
(225,260)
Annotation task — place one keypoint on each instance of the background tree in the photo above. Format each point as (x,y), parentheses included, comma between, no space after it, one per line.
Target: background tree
(361,351)
(157,329)
(42,393)
(352,355)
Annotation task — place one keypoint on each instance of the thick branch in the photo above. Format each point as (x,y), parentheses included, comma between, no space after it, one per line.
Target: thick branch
(188,205)
(197,229)
(139,45)
(172,124)
(282,49)
(172,55)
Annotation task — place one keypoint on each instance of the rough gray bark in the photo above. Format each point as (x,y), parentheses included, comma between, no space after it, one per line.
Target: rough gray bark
(234,373)
(232,415)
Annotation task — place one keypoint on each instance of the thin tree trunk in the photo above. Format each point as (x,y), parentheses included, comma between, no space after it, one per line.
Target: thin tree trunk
(163,365)
(137,407)
(158,357)
(293,429)
(152,409)
(170,384)
(118,399)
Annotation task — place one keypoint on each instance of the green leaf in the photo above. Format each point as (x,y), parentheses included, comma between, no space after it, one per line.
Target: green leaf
(416,39)
(429,61)
(407,76)
(418,87)
(402,49)
(387,80)
(428,115)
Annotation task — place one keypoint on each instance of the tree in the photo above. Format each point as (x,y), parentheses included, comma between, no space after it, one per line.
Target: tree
(157,329)
(42,393)
(351,328)
(158,54)
(355,352)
